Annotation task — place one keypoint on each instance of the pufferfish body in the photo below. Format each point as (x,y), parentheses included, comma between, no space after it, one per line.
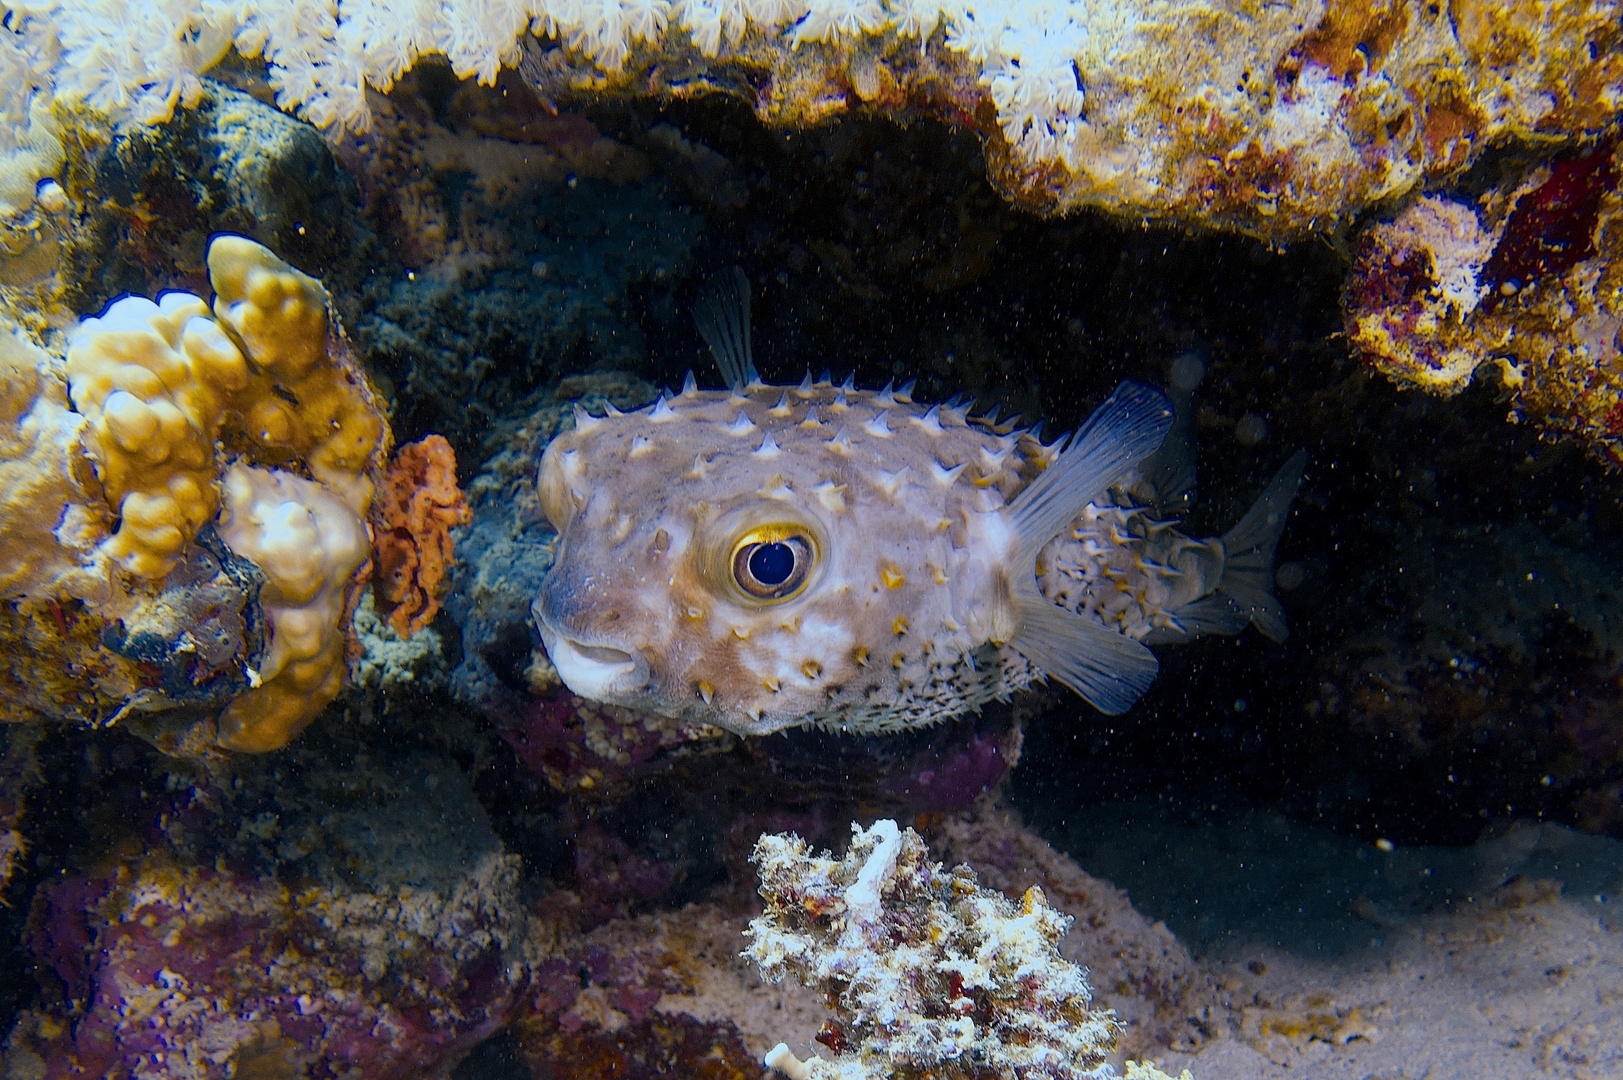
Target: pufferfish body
(764,557)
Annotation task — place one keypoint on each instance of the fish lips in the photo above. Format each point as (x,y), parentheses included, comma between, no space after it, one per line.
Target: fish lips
(599,670)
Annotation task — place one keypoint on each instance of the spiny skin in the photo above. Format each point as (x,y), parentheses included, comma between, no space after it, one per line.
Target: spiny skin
(1130,571)
(903,618)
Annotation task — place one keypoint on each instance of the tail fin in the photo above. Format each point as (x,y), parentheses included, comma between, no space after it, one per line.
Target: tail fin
(1248,571)
(1167,477)
(1245,592)
(1111,671)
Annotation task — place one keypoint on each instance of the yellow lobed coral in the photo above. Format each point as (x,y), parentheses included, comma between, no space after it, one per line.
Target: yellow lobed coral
(122,601)
(309,544)
(160,383)
(299,404)
(152,381)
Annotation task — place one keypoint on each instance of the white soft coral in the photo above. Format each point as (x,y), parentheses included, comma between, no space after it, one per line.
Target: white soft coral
(137,60)
(141,60)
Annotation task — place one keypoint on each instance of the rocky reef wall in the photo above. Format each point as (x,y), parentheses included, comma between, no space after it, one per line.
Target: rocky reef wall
(440,842)
(1277,120)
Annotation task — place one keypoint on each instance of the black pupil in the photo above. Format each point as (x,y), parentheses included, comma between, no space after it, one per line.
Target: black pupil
(772,563)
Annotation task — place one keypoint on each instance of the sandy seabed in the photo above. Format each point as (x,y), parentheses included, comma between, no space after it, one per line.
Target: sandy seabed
(1255,948)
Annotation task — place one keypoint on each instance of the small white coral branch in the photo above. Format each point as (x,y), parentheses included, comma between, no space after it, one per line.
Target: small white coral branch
(781,1058)
(924,968)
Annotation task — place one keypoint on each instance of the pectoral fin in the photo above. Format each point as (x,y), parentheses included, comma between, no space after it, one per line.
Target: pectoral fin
(1110,670)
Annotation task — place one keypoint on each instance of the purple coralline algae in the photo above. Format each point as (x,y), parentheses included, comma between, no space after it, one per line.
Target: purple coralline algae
(1522,282)
(203,973)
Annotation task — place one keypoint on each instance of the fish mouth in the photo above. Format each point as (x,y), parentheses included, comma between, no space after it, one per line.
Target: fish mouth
(593,670)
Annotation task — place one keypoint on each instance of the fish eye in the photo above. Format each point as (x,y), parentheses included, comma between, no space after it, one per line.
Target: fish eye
(773,563)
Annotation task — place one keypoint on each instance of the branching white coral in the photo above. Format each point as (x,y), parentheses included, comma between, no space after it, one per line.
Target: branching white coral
(929,974)
(138,60)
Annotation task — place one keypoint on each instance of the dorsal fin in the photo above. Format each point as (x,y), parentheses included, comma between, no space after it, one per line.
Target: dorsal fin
(1123,431)
(722,314)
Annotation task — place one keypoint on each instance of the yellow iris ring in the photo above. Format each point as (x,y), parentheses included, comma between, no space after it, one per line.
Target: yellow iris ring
(777,533)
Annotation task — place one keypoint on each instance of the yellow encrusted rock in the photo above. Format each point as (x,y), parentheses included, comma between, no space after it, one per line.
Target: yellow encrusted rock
(309,545)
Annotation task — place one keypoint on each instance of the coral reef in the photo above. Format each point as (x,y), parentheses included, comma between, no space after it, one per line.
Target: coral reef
(579,744)
(1275,120)
(464,847)
(392,664)
(1526,279)
(208,974)
(1136,968)
(667,991)
(447,174)
(146,201)
(929,973)
(39,485)
(416,510)
(662,995)
(182,563)
(30,133)
(348,906)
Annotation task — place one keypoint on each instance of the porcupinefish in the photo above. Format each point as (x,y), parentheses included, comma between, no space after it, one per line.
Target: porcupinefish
(763,557)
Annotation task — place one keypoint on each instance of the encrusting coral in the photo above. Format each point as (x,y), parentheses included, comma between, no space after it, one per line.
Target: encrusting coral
(38,487)
(419,506)
(1527,279)
(1277,119)
(209,974)
(929,974)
